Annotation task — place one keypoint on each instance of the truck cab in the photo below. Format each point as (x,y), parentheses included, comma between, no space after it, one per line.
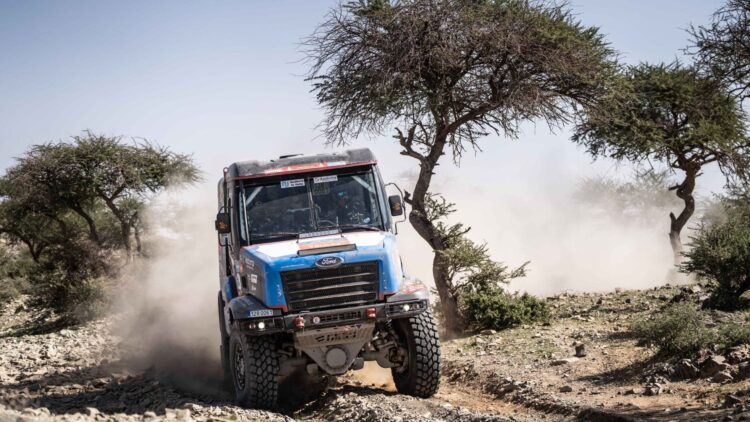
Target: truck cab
(310,277)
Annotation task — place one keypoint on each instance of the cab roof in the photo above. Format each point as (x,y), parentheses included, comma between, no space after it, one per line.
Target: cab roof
(290,164)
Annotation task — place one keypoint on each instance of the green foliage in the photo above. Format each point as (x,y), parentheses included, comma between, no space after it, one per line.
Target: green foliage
(734,334)
(683,329)
(497,309)
(476,66)
(14,267)
(721,253)
(720,48)
(75,206)
(667,113)
(679,330)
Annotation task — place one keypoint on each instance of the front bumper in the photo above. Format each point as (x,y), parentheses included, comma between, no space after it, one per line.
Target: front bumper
(334,317)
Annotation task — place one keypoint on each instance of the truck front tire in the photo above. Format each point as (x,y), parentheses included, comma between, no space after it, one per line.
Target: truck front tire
(421,375)
(254,366)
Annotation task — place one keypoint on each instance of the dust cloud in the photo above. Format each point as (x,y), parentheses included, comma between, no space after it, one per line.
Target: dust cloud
(373,374)
(168,300)
(573,243)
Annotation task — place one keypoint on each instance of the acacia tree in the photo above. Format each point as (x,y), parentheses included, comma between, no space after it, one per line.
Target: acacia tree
(722,48)
(98,178)
(73,203)
(445,73)
(670,114)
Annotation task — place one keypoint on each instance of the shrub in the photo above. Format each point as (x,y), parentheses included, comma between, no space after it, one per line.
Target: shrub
(497,309)
(721,254)
(679,330)
(71,278)
(14,267)
(734,334)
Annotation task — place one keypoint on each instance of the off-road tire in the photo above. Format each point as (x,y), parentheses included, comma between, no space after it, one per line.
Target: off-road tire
(421,375)
(254,375)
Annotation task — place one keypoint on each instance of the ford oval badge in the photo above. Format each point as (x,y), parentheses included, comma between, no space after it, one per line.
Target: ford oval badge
(329,262)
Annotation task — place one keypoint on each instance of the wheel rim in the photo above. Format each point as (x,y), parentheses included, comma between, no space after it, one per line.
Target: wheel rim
(239,367)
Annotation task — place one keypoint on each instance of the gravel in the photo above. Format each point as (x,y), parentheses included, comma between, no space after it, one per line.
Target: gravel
(87,374)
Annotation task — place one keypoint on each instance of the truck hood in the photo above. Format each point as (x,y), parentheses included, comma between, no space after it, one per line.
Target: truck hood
(291,247)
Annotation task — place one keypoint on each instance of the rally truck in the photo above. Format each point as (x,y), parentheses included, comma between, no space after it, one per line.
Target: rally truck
(311,280)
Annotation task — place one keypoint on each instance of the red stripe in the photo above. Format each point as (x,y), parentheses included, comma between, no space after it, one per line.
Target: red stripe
(304,170)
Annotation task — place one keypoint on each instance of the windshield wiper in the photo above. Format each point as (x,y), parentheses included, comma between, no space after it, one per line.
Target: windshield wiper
(358,226)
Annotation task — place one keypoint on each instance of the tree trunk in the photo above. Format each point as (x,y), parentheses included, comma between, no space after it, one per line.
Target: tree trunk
(137,236)
(125,234)
(125,225)
(454,322)
(93,232)
(684,191)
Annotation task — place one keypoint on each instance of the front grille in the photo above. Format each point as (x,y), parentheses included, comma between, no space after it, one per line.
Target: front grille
(315,288)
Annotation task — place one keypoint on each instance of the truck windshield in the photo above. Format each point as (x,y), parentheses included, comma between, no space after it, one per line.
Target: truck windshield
(306,204)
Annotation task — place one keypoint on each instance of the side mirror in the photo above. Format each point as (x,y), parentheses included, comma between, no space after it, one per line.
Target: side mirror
(397,206)
(222,223)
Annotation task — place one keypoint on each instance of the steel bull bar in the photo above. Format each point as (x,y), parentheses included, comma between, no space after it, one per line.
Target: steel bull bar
(333,317)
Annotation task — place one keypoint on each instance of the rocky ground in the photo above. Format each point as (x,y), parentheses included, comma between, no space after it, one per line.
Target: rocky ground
(584,363)
(528,373)
(85,373)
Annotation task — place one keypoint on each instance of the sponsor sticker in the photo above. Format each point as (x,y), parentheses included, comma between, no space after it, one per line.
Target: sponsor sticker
(261,312)
(325,179)
(294,183)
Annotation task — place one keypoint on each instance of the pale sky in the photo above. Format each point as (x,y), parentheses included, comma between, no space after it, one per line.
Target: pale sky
(223,80)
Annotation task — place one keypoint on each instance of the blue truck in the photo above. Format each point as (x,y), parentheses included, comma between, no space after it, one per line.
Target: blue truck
(311,279)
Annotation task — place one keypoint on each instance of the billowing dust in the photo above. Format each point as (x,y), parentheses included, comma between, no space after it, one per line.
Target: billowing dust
(372,374)
(573,243)
(169,299)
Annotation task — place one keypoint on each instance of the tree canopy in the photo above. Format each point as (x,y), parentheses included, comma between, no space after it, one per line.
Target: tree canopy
(722,48)
(73,204)
(93,172)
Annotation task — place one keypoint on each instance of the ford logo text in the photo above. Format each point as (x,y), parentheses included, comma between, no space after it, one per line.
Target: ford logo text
(329,262)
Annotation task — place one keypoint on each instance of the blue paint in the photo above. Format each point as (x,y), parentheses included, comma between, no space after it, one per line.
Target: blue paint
(227,290)
(242,306)
(267,269)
